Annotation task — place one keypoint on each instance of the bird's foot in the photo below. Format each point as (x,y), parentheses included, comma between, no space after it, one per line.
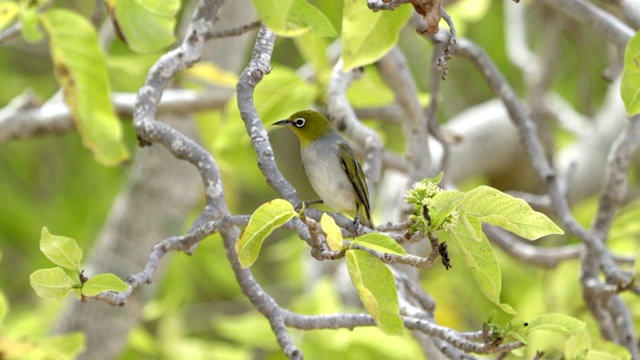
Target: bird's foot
(305,204)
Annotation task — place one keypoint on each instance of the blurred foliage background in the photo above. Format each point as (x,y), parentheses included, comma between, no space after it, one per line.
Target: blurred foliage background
(197,310)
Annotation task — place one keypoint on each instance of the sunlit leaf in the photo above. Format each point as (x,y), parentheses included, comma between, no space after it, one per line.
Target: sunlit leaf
(51,283)
(145,25)
(480,259)
(556,322)
(61,250)
(8,12)
(442,204)
(264,220)
(103,282)
(366,35)
(80,69)
(376,287)
(468,227)
(293,17)
(28,17)
(332,231)
(518,330)
(313,50)
(630,85)
(380,242)
(578,345)
(515,215)
(210,73)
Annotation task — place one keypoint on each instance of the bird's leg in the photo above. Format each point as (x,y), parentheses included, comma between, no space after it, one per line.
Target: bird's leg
(356,219)
(305,204)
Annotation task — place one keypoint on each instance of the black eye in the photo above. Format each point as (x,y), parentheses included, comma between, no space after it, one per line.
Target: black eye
(299,122)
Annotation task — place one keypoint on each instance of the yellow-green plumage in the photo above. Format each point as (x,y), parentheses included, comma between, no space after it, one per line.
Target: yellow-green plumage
(330,165)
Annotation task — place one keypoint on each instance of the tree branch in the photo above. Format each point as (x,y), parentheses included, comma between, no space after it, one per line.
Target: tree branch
(592,16)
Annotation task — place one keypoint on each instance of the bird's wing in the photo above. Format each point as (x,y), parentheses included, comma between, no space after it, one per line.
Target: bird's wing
(355,174)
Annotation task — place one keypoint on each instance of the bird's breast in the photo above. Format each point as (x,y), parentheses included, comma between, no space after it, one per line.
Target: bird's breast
(327,177)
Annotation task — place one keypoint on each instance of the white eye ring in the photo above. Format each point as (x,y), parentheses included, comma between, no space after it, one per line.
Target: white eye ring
(299,122)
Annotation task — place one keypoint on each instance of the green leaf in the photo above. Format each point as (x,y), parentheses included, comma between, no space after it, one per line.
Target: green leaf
(62,251)
(380,242)
(264,220)
(310,16)
(469,228)
(603,355)
(281,94)
(80,69)
(8,12)
(578,345)
(293,17)
(609,350)
(145,25)
(442,205)
(28,17)
(516,329)
(366,35)
(69,345)
(332,231)
(515,215)
(313,49)
(103,282)
(630,85)
(480,259)
(211,73)
(376,288)
(51,283)
(556,322)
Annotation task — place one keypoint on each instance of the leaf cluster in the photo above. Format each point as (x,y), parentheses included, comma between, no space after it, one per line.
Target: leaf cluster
(55,283)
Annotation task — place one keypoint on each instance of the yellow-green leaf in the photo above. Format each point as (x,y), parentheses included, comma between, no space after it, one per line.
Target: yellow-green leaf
(515,215)
(630,85)
(29,21)
(210,73)
(103,282)
(80,69)
(556,322)
(366,35)
(380,242)
(313,50)
(264,220)
(468,228)
(145,25)
(293,17)
(442,205)
(376,287)
(62,251)
(480,259)
(332,232)
(8,12)
(51,283)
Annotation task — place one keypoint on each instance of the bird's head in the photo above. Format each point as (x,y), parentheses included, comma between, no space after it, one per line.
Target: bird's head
(309,125)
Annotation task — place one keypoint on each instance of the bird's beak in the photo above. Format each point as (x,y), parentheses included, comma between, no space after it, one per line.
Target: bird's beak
(285,122)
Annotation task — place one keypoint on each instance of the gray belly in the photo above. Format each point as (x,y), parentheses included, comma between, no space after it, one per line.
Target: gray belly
(329,180)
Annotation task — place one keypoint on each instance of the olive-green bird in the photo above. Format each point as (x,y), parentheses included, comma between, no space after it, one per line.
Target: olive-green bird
(330,164)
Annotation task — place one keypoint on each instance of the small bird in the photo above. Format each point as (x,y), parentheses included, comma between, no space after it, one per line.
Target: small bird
(330,165)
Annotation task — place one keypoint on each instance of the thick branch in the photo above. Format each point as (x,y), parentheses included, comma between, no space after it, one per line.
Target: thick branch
(600,20)
(25,118)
